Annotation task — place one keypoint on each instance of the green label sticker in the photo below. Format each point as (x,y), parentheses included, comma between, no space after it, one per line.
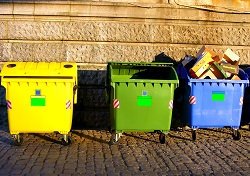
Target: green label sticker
(144,101)
(218,95)
(37,101)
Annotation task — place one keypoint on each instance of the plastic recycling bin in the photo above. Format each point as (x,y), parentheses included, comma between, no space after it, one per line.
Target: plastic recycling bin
(213,103)
(40,97)
(141,97)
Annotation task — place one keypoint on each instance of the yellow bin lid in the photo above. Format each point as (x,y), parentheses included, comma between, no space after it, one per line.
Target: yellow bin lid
(39,69)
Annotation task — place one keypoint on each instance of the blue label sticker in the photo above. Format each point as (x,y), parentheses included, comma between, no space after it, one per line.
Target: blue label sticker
(144,93)
(38,92)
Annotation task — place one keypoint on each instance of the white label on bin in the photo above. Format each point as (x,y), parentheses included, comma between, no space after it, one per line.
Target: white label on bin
(68,104)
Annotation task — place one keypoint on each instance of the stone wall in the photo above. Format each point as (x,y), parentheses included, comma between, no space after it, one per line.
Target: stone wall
(95,32)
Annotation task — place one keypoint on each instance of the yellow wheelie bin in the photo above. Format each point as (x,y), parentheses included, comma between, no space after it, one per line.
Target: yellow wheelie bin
(40,97)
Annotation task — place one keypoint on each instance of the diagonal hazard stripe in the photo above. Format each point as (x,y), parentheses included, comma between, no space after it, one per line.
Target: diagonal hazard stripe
(116,103)
(68,104)
(9,105)
(192,100)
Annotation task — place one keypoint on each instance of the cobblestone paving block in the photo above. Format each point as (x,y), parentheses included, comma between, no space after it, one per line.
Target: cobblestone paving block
(213,153)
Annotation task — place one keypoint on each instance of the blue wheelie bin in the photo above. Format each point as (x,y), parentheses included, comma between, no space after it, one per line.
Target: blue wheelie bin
(213,103)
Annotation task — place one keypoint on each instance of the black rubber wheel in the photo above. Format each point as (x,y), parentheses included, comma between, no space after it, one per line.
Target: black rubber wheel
(17,140)
(112,141)
(110,129)
(236,135)
(113,138)
(162,138)
(193,135)
(66,143)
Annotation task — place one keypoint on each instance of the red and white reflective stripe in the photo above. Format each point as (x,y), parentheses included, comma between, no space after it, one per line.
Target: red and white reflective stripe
(68,104)
(9,106)
(171,104)
(192,100)
(116,103)
(241,101)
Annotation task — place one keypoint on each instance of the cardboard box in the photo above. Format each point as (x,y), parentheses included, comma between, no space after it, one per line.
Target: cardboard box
(208,74)
(218,71)
(235,77)
(214,72)
(228,74)
(234,69)
(203,51)
(201,65)
(209,64)
(218,57)
(231,57)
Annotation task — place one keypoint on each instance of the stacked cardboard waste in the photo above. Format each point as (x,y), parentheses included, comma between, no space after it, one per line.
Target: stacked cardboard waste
(210,65)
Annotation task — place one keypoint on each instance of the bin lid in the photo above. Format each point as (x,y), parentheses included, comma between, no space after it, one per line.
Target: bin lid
(39,69)
(144,64)
(141,72)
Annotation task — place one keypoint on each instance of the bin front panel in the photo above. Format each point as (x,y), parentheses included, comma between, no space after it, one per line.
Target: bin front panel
(39,106)
(142,106)
(215,104)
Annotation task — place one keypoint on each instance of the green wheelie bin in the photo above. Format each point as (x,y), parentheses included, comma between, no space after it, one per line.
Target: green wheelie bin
(141,97)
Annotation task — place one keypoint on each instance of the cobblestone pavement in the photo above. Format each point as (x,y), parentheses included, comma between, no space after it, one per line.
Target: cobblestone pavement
(214,153)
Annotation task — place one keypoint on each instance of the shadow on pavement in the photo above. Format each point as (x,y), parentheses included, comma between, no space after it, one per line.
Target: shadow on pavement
(139,137)
(4,119)
(89,137)
(219,131)
(46,138)
(212,133)
(6,140)
(180,137)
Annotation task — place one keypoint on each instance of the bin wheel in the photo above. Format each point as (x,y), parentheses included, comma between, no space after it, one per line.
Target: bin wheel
(66,140)
(193,135)
(162,138)
(17,139)
(114,138)
(110,129)
(236,135)
(112,141)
